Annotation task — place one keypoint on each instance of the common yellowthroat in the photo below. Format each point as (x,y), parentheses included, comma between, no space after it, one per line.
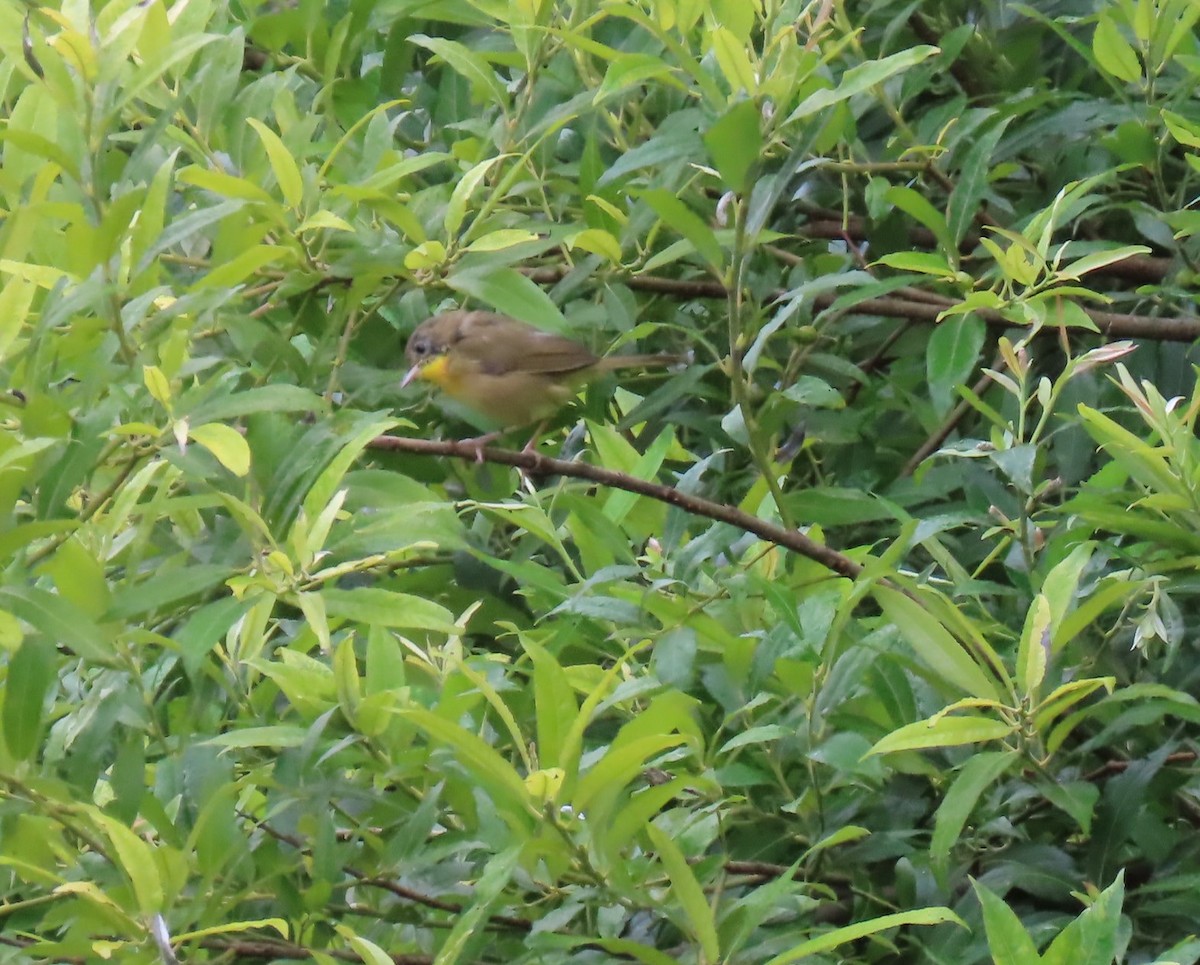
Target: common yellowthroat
(509,372)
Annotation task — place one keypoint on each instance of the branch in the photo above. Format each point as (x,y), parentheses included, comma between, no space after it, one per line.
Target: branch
(1185,328)
(537,464)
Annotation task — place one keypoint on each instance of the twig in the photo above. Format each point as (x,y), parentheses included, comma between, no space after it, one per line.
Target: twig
(1114,324)
(942,433)
(540,465)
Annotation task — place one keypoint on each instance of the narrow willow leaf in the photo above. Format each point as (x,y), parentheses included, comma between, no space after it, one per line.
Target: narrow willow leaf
(975,776)
(940,651)
(226,443)
(287,171)
(850,933)
(1008,941)
(687,892)
(943,732)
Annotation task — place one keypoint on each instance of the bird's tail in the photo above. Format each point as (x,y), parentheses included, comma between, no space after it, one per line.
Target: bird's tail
(612,362)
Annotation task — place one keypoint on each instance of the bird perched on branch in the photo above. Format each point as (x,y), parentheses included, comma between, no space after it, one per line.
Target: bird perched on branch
(509,372)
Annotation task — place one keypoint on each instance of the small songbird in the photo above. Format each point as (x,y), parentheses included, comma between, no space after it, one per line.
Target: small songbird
(509,372)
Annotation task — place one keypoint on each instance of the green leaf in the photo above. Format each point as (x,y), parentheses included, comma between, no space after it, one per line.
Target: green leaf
(916,205)
(687,891)
(972,181)
(555,702)
(1113,52)
(1094,937)
(952,355)
(510,292)
(16,299)
(948,731)
(504,238)
(60,620)
(164,587)
(287,172)
(133,856)
(469,931)
(467,63)
(1008,941)
(850,933)
(375,606)
(861,78)
(940,651)
(679,216)
(480,760)
(979,773)
(226,443)
(734,62)
(31,673)
(735,143)
(1034,651)
(456,209)
(631,70)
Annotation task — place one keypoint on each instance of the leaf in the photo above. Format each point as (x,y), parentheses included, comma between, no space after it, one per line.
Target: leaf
(1008,941)
(133,856)
(469,930)
(226,443)
(504,238)
(59,619)
(979,773)
(287,172)
(510,292)
(467,63)
(456,208)
(917,206)
(16,299)
(687,891)
(375,606)
(735,143)
(735,65)
(480,760)
(1093,938)
(679,216)
(949,731)
(1113,52)
(940,651)
(166,586)
(555,703)
(598,242)
(630,70)
(861,78)
(850,933)
(1034,651)
(952,355)
(31,673)
(972,181)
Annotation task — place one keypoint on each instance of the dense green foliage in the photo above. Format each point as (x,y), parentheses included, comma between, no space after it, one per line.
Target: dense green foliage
(272,691)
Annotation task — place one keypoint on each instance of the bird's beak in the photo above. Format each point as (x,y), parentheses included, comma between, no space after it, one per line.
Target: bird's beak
(410,375)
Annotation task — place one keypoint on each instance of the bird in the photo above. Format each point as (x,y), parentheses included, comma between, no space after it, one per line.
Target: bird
(507,371)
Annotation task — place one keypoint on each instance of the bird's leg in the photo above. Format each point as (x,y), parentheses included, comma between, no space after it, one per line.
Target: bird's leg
(478,442)
(531,445)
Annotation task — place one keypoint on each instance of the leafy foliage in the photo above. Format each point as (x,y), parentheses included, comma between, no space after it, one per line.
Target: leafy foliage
(274,690)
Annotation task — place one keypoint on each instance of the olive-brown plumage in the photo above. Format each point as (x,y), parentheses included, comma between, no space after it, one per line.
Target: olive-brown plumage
(509,372)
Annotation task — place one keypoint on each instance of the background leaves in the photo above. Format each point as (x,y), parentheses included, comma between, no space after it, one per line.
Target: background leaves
(275,688)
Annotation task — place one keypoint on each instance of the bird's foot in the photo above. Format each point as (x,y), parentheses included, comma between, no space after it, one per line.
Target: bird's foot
(478,442)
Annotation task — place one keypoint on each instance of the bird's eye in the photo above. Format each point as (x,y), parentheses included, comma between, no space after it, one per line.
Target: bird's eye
(421,347)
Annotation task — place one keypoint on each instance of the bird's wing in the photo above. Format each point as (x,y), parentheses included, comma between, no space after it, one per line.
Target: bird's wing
(498,349)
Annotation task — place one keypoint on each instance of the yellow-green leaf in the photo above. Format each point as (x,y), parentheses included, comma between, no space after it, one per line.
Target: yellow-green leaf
(226,444)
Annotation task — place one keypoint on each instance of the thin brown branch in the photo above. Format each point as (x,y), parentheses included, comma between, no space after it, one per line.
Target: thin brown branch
(1114,324)
(942,433)
(1143,269)
(540,465)
(271,950)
